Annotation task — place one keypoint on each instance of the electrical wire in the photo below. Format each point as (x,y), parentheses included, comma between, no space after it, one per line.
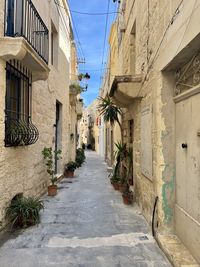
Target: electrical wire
(170,23)
(88,13)
(80,50)
(78,39)
(104,41)
(64,22)
(88,70)
(158,49)
(93,14)
(186,28)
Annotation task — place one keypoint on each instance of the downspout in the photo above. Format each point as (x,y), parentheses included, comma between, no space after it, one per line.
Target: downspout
(153,216)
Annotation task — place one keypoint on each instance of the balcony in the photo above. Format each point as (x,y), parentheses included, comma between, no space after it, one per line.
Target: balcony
(74,90)
(125,89)
(26,38)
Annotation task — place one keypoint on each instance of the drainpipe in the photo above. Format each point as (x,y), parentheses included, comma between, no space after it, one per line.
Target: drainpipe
(153,216)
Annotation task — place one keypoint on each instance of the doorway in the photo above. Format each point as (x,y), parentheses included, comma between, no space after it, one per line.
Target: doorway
(187,206)
(57,133)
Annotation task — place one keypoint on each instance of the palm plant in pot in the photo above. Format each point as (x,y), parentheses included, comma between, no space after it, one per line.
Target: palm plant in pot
(110,112)
(49,157)
(70,168)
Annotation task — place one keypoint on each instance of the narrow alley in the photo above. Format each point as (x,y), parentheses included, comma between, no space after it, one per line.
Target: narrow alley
(85,225)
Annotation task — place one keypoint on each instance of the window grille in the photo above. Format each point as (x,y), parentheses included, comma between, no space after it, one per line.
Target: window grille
(19,129)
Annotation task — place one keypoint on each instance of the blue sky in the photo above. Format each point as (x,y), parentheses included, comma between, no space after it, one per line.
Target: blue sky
(91,31)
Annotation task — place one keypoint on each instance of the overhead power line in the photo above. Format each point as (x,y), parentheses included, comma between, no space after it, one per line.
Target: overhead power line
(78,39)
(94,69)
(89,13)
(94,14)
(79,45)
(104,41)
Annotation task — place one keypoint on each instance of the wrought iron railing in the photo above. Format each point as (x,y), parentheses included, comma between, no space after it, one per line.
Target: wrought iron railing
(20,132)
(22,19)
(19,129)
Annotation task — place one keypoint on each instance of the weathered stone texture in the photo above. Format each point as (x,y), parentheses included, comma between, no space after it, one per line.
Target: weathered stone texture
(157,39)
(22,169)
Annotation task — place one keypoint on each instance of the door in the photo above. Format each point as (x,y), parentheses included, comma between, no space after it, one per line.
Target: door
(187,208)
(57,134)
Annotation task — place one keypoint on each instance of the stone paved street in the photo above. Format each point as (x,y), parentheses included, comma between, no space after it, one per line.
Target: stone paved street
(85,225)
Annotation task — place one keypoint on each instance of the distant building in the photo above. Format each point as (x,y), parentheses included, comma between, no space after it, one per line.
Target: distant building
(90,127)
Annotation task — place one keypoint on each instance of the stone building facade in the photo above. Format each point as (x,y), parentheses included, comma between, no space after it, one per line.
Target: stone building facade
(154,77)
(35,65)
(90,127)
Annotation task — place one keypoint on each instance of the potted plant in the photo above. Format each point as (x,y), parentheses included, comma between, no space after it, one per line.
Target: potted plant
(80,157)
(49,158)
(70,167)
(24,212)
(115,182)
(122,185)
(83,76)
(76,88)
(127,197)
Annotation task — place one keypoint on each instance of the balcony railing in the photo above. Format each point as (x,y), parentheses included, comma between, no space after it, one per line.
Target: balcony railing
(23,20)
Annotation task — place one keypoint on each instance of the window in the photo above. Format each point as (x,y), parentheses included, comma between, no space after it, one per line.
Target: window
(19,129)
(54,46)
(132,63)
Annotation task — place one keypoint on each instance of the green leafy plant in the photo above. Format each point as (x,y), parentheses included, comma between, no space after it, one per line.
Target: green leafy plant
(80,157)
(114,179)
(83,76)
(24,212)
(76,87)
(71,166)
(110,111)
(49,157)
(120,155)
(121,151)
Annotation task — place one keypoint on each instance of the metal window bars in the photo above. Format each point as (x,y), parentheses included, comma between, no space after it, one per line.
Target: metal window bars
(19,129)
(22,19)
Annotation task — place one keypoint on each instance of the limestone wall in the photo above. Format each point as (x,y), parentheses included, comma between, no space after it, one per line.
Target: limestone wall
(152,38)
(22,169)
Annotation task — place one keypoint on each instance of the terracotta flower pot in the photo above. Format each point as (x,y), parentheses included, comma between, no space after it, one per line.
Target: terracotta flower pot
(115,186)
(130,181)
(122,187)
(69,174)
(52,190)
(126,199)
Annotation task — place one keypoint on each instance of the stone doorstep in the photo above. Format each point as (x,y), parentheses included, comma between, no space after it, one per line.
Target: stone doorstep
(175,251)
